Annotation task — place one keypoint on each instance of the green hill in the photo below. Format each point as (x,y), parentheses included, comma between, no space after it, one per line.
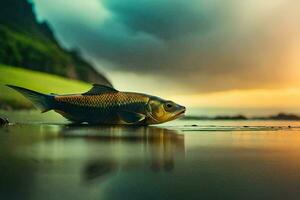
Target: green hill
(26,43)
(38,81)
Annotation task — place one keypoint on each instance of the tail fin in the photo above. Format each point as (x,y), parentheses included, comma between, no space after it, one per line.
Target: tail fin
(42,101)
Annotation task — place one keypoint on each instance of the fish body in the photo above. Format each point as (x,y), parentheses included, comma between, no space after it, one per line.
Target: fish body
(107,108)
(106,105)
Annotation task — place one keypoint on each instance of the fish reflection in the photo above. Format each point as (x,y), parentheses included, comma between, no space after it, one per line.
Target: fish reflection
(99,169)
(153,148)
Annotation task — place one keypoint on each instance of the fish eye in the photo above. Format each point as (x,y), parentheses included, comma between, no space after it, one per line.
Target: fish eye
(169,105)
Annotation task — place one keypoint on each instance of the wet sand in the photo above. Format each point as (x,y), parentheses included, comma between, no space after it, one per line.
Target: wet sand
(45,158)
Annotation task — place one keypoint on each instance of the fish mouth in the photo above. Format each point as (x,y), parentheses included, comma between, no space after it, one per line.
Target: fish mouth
(180,113)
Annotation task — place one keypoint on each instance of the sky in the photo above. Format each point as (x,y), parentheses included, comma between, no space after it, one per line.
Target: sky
(199,52)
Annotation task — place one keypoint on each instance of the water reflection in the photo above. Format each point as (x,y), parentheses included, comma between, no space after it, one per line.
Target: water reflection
(154,148)
(48,161)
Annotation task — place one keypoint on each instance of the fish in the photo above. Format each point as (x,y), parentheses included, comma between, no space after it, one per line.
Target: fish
(105,105)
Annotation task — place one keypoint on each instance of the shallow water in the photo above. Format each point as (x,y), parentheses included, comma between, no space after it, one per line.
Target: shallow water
(42,157)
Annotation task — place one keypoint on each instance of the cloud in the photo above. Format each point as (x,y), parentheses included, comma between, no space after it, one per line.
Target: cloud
(198,45)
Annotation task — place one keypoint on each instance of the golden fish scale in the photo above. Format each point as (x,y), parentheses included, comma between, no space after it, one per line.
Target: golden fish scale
(103,100)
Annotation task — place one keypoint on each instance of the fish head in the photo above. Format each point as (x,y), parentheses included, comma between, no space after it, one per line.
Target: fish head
(160,110)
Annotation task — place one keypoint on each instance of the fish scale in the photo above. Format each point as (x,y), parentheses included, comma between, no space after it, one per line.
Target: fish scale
(104,100)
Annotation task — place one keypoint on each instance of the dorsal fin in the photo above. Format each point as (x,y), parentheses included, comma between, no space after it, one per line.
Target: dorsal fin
(100,89)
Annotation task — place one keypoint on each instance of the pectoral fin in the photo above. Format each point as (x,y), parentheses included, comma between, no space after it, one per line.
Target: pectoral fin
(131,117)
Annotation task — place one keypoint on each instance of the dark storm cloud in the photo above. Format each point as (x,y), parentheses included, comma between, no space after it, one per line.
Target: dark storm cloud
(166,19)
(202,45)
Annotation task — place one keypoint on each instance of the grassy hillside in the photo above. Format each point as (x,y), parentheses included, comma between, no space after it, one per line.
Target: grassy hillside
(29,44)
(19,49)
(38,81)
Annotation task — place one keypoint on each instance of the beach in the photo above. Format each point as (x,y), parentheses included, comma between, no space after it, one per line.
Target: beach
(44,157)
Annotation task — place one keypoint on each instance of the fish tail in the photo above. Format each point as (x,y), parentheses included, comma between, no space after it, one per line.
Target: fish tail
(42,101)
